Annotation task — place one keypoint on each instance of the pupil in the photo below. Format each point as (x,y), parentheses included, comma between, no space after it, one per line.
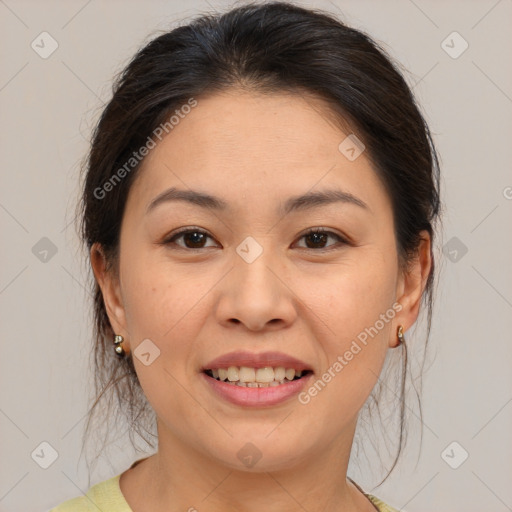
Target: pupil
(188,236)
(315,237)
(195,238)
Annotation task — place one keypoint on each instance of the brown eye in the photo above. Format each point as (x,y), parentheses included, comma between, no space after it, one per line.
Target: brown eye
(195,239)
(318,237)
(192,238)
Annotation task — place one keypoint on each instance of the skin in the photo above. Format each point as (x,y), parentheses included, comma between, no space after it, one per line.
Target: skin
(195,305)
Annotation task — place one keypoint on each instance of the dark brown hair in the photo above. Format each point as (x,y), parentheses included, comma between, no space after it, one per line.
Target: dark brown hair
(267,48)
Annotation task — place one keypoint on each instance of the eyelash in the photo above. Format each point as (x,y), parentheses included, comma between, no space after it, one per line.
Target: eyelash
(312,231)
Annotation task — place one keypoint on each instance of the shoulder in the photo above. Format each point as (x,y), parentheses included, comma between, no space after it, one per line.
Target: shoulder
(381,506)
(79,504)
(105,495)
(377,502)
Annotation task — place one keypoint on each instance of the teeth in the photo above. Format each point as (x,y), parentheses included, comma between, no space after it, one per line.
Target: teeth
(246,374)
(279,373)
(265,374)
(233,374)
(256,377)
(255,384)
(290,374)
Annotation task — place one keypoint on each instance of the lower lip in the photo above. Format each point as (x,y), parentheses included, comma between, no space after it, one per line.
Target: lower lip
(257,397)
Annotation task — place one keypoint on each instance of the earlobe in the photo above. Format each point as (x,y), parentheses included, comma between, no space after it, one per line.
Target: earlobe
(110,289)
(412,285)
(400,338)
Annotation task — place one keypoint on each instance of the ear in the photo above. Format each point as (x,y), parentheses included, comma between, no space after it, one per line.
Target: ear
(110,289)
(411,284)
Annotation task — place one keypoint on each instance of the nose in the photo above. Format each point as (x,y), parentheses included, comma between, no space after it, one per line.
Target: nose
(257,295)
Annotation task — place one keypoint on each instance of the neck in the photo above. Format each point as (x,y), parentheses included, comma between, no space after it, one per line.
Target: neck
(179,478)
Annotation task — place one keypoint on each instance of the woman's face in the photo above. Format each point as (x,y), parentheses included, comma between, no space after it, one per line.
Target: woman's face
(256,282)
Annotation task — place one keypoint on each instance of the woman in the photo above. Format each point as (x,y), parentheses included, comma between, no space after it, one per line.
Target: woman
(259,209)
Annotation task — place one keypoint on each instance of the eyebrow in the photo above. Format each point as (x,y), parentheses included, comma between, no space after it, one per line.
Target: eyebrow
(295,203)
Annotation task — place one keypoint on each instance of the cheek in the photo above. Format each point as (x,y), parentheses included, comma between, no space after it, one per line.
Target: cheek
(354,308)
(162,304)
(146,298)
(350,296)
(167,304)
(353,346)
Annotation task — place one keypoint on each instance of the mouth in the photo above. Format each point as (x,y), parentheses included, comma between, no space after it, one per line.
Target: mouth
(247,377)
(263,379)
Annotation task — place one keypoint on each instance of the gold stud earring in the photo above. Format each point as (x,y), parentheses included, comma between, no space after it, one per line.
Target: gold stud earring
(118,339)
(400,335)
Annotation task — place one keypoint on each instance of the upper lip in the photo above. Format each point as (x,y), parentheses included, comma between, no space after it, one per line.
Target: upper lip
(253,360)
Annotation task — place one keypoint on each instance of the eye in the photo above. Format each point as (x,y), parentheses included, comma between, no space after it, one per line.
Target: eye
(195,236)
(319,236)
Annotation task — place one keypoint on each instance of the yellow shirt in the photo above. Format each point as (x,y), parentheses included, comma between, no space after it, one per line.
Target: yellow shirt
(107,496)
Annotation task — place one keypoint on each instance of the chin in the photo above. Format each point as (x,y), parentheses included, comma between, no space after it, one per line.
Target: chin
(258,454)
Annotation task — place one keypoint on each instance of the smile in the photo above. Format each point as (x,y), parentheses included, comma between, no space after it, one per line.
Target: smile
(255,377)
(256,387)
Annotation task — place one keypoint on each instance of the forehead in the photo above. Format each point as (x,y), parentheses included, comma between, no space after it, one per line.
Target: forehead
(243,127)
(240,145)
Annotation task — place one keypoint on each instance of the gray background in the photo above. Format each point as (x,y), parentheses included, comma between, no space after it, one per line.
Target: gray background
(48,108)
